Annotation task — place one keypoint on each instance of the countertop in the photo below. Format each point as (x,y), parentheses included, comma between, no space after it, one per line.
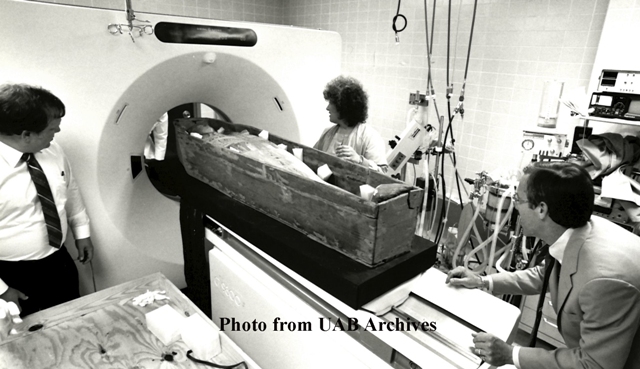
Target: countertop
(105,330)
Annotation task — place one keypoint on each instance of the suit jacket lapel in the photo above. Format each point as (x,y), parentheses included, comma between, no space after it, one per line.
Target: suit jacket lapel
(564,284)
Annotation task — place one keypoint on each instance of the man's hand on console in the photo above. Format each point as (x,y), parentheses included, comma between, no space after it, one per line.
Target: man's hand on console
(461,276)
(492,349)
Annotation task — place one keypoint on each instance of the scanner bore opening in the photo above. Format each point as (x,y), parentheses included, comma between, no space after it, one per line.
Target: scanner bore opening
(161,161)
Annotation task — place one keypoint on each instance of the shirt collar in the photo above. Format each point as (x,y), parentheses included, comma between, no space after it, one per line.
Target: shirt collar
(557,249)
(10,155)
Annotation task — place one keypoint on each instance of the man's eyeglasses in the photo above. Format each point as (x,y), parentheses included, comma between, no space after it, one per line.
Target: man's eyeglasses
(518,200)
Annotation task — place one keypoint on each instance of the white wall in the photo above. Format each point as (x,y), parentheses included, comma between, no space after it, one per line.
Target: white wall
(135,230)
(517,45)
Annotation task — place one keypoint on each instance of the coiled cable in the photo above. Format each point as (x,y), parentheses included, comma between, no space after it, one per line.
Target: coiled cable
(395,21)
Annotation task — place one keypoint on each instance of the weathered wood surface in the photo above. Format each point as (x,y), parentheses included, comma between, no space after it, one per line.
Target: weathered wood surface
(105,330)
(339,218)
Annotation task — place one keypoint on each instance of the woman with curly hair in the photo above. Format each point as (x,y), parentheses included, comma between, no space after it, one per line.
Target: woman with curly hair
(351,138)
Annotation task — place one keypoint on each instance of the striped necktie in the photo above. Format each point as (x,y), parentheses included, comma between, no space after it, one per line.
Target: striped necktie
(51,218)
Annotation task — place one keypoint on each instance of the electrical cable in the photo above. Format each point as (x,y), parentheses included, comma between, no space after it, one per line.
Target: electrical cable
(460,107)
(458,180)
(429,45)
(455,48)
(430,48)
(473,22)
(455,169)
(434,207)
(93,277)
(437,176)
(446,215)
(420,227)
(454,160)
(448,203)
(395,20)
(440,223)
(433,20)
(466,71)
(466,192)
(452,156)
(448,95)
(448,46)
(440,157)
(426,30)
(456,176)
(450,88)
(208,363)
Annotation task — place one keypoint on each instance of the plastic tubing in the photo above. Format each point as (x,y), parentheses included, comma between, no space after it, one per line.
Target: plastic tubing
(467,257)
(499,262)
(420,227)
(443,186)
(480,268)
(513,249)
(411,115)
(448,202)
(463,240)
(478,237)
(488,262)
(432,222)
(475,230)
(482,247)
(523,248)
(426,175)
(498,227)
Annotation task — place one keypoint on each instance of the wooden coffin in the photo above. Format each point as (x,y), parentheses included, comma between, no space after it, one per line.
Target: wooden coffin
(370,233)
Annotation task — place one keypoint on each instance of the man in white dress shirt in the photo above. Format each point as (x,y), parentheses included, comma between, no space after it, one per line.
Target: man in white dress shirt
(36,271)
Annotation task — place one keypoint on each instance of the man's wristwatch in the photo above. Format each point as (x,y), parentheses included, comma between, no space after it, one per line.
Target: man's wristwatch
(484,282)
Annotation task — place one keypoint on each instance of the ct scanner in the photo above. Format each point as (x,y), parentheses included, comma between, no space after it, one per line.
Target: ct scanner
(114,89)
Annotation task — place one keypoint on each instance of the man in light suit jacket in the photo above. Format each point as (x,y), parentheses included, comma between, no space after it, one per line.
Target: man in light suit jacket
(594,285)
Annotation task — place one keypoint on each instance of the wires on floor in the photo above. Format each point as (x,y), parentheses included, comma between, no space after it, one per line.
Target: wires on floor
(208,363)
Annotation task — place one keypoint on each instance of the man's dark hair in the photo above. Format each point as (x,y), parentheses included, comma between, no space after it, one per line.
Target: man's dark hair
(349,98)
(27,108)
(566,188)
